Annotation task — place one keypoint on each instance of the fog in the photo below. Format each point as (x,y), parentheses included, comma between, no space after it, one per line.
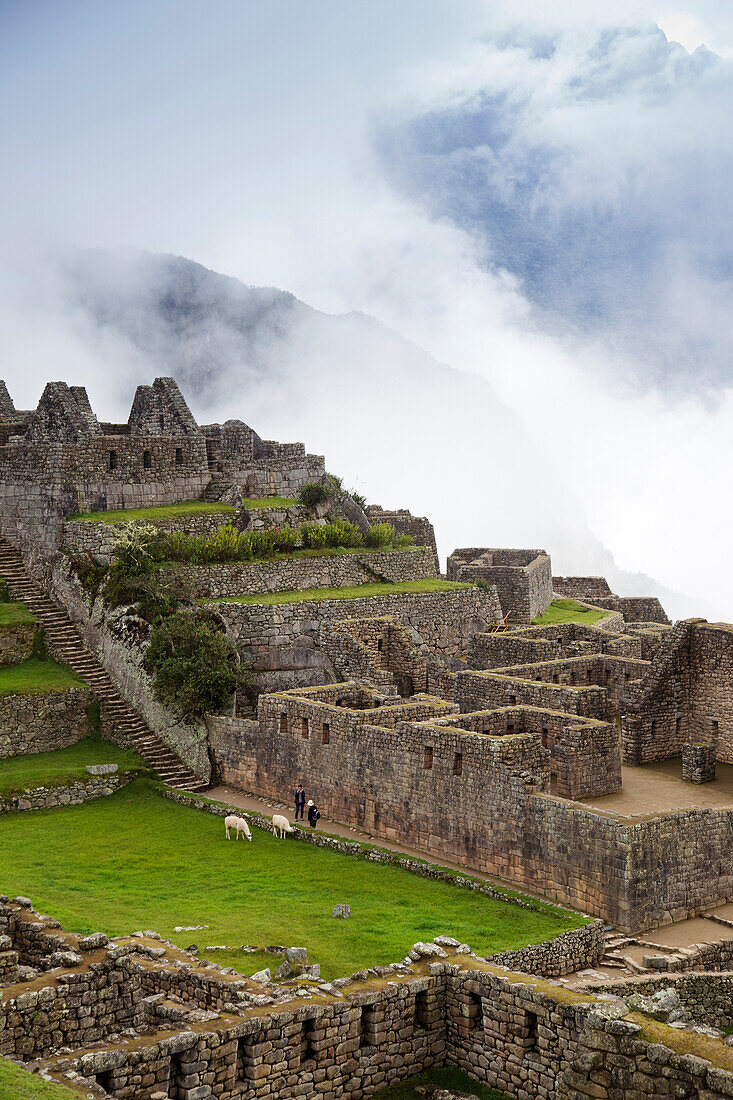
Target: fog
(541,357)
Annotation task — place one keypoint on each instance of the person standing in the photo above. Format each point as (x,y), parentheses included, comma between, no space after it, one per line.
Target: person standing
(313,814)
(299,801)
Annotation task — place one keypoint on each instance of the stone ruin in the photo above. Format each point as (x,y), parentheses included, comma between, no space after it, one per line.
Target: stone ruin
(59,460)
(135,1018)
(426,723)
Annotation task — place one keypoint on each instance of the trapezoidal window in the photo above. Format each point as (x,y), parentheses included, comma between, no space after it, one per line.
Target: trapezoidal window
(367,1026)
(304,728)
(715,727)
(113,460)
(283,722)
(147,460)
(458,763)
(308,1049)
(512,700)
(475,1011)
(678,725)
(530,1031)
(428,758)
(161,422)
(326,733)
(654,728)
(510,727)
(245,1058)
(380,643)
(179,456)
(421,1010)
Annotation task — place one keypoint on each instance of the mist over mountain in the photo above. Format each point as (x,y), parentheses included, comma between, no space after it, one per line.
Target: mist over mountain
(404,429)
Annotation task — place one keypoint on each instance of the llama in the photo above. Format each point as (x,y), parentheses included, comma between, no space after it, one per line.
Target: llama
(281,825)
(238,823)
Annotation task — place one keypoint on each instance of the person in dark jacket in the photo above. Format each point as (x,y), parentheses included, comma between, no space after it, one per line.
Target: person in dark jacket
(313,814)
(299,801)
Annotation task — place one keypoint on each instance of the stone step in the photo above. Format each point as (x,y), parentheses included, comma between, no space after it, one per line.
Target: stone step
(70,647)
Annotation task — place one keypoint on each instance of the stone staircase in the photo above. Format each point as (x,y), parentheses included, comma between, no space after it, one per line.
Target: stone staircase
(67,645)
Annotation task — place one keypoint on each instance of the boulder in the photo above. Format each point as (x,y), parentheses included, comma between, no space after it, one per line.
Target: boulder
(341,911)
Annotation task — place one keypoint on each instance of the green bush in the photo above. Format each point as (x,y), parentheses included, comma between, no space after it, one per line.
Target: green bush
(4,592)
(384,534)
(194,665)
(313,494)
(89,570)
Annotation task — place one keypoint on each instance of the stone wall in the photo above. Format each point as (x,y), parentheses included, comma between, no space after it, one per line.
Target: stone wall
(523,578)
(707,997)
(43,722)
(444,620)
(16,642)
(442,1005)
(297,573)
(73,794)
(418,528)
(546,643)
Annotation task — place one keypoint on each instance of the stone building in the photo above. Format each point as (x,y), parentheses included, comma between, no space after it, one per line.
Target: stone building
(523,578)
(60,459)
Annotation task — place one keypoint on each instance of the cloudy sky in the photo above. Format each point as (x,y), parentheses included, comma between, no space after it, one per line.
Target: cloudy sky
(539,196)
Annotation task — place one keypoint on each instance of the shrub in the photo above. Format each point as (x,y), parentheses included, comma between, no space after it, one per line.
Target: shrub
(360,499)
(89,570)
(194,665)
(381,534)
(4,592)
(313,537)
(313,494)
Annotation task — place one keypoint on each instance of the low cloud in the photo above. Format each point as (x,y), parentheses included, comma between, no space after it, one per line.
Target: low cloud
(594,168)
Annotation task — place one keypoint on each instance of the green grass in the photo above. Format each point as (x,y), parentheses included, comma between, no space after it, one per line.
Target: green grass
(136,860)
(163,511)
(348,592)
(171,511)
(568,611)
(18,1084)
(16,614)
(445,1077)
(56,769)
(33,677)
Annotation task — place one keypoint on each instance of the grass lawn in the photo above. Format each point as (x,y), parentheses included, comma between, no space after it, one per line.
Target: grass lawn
(56,769)
(446,1077)
(18,1084)
(33,677)
(348,592)
(568,611)
(170,511)
(136,860)
(16,614)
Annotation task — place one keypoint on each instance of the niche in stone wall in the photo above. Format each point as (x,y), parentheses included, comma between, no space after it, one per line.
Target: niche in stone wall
(368,1026)
(104,1080)
(304,729)
(147,460)
(421,1010)
(283,722)
(428,758)
(326,734)
(308,1048)
(245,1058)
(113,460)
(179,456)
(529,1030)
(458,763)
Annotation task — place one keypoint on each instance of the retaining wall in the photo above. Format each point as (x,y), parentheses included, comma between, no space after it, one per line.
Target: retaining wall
(444,620)
(43,722)
(73,794)
(298,573)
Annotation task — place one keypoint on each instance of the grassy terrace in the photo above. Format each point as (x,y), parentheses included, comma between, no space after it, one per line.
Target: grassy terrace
(57,769)
(19,1084)
(16,614)
(171,511)
(568,611)
(348,592)
(34,676)
(136,860)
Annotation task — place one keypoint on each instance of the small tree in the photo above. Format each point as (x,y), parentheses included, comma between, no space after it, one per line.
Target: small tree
(194,665)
